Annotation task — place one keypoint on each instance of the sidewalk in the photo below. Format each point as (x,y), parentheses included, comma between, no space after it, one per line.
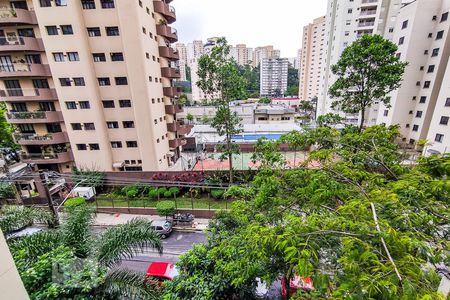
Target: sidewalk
(103,219)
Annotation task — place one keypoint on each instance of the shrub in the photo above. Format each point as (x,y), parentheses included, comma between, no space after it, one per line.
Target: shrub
(217,193)
(167,194)
(237,192)
(174,190)
(132,192)
(6,191)
(77,201)
(165,208)
(153,194)
(162,190)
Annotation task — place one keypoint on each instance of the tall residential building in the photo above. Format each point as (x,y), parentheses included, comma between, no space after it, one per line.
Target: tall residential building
(264,52)
(313,54)
(182,62)
(293,62)
(346,21)
(240,54)
(96,74)
(198,96)
(273,76)
(421,106)
(299,60)
(194,50)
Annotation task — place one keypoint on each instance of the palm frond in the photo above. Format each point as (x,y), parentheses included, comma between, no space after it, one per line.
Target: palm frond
(127,240)
(16,217)
(130,285)
(76,229)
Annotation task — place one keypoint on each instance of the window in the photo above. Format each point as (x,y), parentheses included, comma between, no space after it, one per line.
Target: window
(391,30)
(439,138)
(444,120)
(401,40)
(150,78)
(116,144)
(78,81)
(103,81)
(421,68)
(40,84)
(112,31)
(425,52)
(447,102)
(89,126)
(117,56)
(112,124)
(426,84)
(84,104)
(94,147)
(419,114)
(435,52)
(98,57)
(430,69)
(410,112)
(125,103)
(66,29)
(58,56)
(88,4)
(81,147)
(128,124)
(65,81)
(76,126)
(45,3)
(147,55)
(414,98)
(107,3)
(51,30)
(423,99)
(93,31)
(430,35)
(385,113)
(61,2)
(144,31)
(415,128)
(121,80)
(131,144)
(349,11)
(444,17)
(108,104)
(47,106)
(73,56)
(405,24)
(19,107)
(440,35)
(71,105)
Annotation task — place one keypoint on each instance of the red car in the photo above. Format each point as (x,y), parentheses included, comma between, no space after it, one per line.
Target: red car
(304,283)
(162,271)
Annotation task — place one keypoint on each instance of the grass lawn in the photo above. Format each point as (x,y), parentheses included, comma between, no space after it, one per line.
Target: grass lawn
(180,202)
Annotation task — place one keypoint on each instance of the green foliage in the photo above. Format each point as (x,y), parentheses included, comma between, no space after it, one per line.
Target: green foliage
(217,193)
(174,190)
(153,193)
(16,217)
(88,177)
(370,67)
(132,192)
(162,190)
(251,76)
(239,192)
(265,100)
(6,140)
(167,194)
(189,117)
(165,208)
(77,201)
(6,191)
(293,81)
(268,154)
(329,120)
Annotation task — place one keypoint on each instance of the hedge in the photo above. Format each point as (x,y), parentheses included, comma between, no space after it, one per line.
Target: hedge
(72,202)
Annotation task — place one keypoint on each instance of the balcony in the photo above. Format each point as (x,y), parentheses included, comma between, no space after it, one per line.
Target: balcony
(168,72)
(34,117)
(166,10)
(25,70)
(173,109)
(176,143)
(28,95)
(168,32)
(172,92)
(368,13)
(367,3)
(179,127)
(366,24)
(168,53)
(185,129)
(10,16)
(21,44)
(50,158)
(35,139)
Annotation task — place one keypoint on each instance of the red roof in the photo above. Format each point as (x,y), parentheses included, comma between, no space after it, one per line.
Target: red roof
(159,269)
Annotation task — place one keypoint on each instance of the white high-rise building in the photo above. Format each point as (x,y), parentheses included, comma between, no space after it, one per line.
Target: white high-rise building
(421,106)
(260,53)
(346,21)
(182,62)
(273,76)
(194,50)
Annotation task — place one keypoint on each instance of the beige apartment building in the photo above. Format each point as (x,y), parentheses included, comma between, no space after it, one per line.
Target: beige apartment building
(421,106)
(240,54)
(90,83)
(312,56)
(264,52)
(182,62)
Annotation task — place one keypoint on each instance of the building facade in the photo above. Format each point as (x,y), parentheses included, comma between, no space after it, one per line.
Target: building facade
(264,52)
(421,106)
(194,50)
(182,62)
(240,54)
(273,76)
(100,70)
(312,57)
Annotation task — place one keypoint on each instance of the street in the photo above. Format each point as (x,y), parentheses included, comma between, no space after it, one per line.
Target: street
(175,245)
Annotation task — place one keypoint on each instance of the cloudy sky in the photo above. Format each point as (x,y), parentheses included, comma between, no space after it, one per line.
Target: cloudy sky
(252,22)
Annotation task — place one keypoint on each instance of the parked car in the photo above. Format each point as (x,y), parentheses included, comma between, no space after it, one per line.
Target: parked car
(296,283)
(164,228)
(161,271)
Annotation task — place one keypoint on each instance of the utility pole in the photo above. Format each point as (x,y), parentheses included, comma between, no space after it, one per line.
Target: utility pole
(48,196)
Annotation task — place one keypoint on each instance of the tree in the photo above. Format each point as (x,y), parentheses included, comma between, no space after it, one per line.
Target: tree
(189,117)
(296,140)
(183,100)
(205,119)
(6,140)
(368,70)
(188,74)
(265,100)
(266,152)
(218,75)
(7,191)
(88,177)
(68,263)
(16,217)
(293,81)
(329,120)
(165,208)
(307,107)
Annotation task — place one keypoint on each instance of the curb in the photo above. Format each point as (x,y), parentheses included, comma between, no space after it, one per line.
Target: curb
(183,229)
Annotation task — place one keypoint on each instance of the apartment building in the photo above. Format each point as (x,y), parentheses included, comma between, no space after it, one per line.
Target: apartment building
(312,57)
(194,50)
(264,52)
(182,62)
(273,76)
(346,21)
(95,82)
(421,106)
(274,114)
(240,54)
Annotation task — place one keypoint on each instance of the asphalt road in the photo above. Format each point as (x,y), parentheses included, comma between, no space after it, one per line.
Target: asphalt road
(175,245)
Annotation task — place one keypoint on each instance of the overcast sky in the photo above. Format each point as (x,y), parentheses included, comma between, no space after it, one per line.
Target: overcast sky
(252,22)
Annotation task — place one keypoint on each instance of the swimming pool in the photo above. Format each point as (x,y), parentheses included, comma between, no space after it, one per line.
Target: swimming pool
(254,137)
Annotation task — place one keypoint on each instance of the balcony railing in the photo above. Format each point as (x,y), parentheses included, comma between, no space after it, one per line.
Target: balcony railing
(168,72)
(168,52)
(36,139)
(368,1)
(21,69)
(28,94)
(166,10)
(172,92)
(173,109)
(366,24)
(368,12)
(16,43)
(17,16)
(34,117)
(167,32)
(176,143)
(45,158)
